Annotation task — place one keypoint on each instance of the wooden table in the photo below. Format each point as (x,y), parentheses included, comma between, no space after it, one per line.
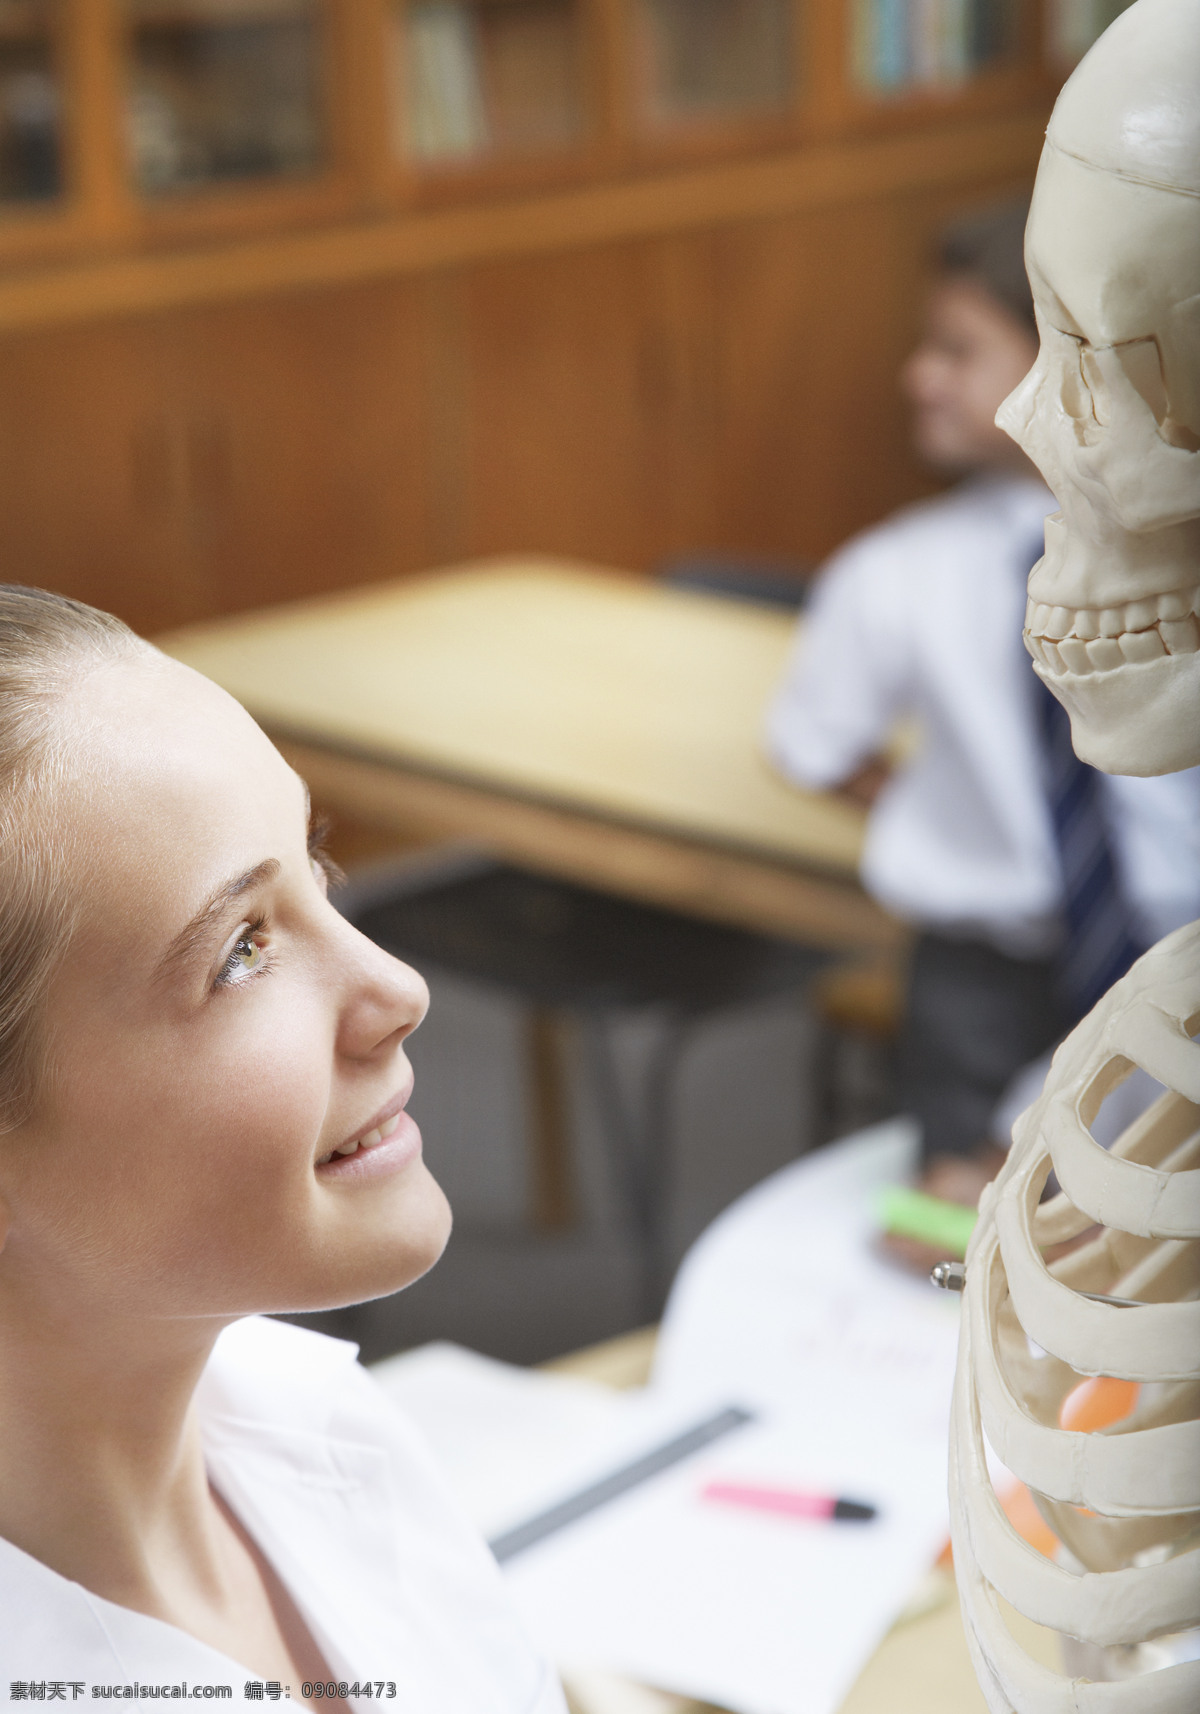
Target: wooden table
(579,721)
(922,1665)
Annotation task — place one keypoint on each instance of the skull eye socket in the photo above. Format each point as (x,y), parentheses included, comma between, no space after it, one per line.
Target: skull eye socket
(1087,398)
(1142,364)
(1095,385)
(1085,394)
(1074,392)
(1141,361)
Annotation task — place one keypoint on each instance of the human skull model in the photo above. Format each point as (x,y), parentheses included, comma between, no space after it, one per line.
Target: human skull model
(1125,1504)
(1110,412)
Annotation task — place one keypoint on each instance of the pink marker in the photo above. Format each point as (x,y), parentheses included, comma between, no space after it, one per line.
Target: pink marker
(787,1502)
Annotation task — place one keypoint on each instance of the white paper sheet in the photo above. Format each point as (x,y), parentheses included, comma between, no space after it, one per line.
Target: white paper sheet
(509,1439)
(781,1305)
(760,1614)
(785,1297)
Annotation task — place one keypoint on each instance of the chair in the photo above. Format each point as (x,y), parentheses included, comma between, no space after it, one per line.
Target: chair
(859,1010)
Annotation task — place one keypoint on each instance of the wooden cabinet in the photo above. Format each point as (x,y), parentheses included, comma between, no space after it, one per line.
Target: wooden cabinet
(587,382)
(94,470)
(308,424)
(216,458)
(300,293)
(813,432)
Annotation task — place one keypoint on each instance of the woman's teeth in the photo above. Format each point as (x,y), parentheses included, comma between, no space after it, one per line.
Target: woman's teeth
(370,1140)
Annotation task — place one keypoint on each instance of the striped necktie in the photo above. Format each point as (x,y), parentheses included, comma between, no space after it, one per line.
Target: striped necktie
(1098,943)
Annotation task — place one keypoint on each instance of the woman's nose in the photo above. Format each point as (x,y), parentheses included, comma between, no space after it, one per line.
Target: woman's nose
(384,999)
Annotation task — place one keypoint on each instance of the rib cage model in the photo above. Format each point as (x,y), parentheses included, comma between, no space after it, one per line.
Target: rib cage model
(1123,1502)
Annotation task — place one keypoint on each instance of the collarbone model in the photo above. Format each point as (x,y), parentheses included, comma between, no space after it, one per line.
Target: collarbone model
(1111,415)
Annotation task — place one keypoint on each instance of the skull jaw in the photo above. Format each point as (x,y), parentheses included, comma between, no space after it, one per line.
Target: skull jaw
(1134,719)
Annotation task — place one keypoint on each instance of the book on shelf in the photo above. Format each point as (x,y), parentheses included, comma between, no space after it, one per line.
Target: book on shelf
(30,103)
(438,51)
(532,64)
(703,57)
(217,91)
(485,77)
(903,45)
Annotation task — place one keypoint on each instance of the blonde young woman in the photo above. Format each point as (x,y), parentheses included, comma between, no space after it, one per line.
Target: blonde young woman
(202,1099)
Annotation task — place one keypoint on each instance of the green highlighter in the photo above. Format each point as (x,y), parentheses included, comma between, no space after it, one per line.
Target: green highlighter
(942,1225)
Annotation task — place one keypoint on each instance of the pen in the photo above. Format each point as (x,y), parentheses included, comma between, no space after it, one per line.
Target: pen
(787,1502)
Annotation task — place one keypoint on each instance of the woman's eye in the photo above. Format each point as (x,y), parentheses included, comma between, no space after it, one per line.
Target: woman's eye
(246,958)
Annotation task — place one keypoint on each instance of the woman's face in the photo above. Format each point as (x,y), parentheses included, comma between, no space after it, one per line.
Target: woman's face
(216,1033)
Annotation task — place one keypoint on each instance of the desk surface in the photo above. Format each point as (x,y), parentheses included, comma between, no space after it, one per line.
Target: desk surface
(556,682)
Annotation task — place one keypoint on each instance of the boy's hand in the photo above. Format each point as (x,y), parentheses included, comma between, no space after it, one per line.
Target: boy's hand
(952,1178)
(864,785)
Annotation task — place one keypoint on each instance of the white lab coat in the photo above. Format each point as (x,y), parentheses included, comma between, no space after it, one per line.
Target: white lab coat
(921,617)
(342,1498)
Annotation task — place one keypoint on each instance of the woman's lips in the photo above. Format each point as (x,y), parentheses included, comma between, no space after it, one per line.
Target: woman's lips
(380,1128)
(398,1143)
(369,1140)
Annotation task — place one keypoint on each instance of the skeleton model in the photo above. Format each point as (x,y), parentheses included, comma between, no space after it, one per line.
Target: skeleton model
(1111,414)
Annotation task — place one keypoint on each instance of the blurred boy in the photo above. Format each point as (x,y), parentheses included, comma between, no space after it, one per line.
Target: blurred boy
(1023,917)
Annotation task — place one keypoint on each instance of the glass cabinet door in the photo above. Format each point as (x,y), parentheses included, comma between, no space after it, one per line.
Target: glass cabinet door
(223,90)
(904,45)
(487,77)
(30,102)
(699,59)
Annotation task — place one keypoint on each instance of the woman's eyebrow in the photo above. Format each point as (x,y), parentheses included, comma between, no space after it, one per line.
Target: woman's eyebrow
(196,931)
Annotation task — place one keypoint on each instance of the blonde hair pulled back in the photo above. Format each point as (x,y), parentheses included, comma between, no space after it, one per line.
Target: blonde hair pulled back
(46,641)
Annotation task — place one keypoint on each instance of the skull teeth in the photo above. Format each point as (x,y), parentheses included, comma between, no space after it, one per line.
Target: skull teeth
(1087,639)
(1142,646)
(1074,652)
(1105,652)
(1177,605)
(1182,636)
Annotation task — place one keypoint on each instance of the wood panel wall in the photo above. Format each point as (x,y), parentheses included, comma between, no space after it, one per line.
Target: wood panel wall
(719,387)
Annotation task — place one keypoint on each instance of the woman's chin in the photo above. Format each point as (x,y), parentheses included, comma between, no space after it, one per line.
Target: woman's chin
(415,1247)
(422,1245)
(383,1258)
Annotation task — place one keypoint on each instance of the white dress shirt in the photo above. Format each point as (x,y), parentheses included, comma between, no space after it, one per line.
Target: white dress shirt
(921,617)
(342,1498)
